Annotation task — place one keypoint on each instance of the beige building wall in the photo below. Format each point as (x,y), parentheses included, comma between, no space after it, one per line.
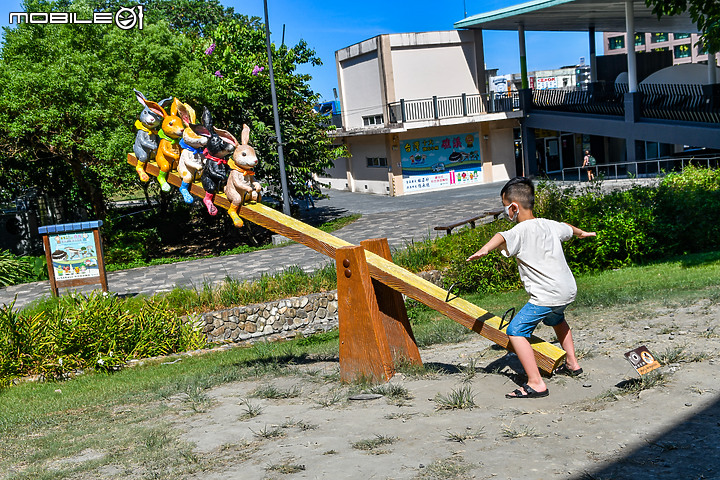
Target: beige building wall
(433,64)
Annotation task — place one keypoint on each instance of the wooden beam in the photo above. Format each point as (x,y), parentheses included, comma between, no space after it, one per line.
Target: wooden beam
(548,356)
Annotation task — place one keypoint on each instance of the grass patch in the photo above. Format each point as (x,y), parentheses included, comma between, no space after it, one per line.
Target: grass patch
(372,445)
(462,436)
(452,468)
(458,399)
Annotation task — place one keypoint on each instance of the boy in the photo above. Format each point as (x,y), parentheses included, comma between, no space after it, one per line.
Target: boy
(536,245)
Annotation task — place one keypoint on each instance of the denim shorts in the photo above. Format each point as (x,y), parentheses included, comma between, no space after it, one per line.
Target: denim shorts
(524,323)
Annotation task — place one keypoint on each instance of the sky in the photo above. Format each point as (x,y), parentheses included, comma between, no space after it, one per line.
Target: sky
(328,26)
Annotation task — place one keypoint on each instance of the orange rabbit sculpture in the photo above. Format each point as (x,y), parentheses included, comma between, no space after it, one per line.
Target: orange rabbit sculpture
(169,149)
(241,181)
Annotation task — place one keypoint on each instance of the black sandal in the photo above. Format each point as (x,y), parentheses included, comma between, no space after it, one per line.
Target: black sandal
(564,370)
(528,393)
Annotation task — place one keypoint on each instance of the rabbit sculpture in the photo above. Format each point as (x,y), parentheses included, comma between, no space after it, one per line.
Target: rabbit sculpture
(241,181)
(146,138)
(192,158)
(168,153)
(220,145)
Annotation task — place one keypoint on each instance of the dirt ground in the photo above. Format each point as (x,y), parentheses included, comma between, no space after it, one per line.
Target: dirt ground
(589,427)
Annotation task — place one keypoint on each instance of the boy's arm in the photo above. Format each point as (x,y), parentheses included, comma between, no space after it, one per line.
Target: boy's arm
(497,241)
(580,233)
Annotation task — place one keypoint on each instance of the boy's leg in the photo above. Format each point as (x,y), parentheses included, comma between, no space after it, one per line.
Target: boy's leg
(564,335)
(526,355)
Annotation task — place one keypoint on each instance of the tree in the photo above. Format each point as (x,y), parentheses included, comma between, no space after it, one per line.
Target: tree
(705,14)
(67,107)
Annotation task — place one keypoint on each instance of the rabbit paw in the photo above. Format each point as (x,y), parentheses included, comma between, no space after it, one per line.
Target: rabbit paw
(141,173)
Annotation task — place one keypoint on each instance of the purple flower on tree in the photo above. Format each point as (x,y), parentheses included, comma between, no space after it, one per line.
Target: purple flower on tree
(257,70)
(218,74)
(210,49)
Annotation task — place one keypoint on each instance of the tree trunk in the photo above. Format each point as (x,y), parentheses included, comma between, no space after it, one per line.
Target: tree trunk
(77,161)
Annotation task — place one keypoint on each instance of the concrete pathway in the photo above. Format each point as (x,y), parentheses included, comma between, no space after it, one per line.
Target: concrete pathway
(400,219)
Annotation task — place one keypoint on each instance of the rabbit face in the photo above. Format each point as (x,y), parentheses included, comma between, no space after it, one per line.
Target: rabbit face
(173,126)
(150,119)
(243,158)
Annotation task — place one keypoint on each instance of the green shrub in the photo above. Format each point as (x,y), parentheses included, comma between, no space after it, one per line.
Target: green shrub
(687,208)
(97,331)
(12,269)
(125,247)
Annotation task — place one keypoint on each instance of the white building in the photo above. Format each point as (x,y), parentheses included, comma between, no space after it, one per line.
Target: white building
(416,116)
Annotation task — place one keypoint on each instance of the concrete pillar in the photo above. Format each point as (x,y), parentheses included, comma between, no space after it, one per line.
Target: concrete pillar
(481,75)
(523,60)
(630,44)
(593,60)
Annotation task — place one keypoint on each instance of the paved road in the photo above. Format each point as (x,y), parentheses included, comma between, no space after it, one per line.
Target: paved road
(400,219)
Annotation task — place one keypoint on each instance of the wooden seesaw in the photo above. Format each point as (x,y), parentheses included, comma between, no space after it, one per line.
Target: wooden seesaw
(375,333)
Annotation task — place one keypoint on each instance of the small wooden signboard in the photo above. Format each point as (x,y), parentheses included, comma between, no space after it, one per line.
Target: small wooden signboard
(642,360)
(74,255)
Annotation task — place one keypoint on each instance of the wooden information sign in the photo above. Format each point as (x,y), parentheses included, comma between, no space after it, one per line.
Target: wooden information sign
(74,255)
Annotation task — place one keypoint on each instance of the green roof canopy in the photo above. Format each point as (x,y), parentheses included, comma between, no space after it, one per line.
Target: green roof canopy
(577,15)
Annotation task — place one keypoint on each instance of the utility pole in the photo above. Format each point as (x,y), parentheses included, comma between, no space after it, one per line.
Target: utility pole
(281,158)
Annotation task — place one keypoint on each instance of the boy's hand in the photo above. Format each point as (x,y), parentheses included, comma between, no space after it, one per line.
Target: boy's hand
(480,253)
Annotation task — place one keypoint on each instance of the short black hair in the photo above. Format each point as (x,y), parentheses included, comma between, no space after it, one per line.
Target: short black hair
(520,190)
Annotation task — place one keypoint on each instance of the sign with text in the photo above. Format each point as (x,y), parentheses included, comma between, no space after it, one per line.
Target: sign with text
(74,255)
(437,162)
(642,360)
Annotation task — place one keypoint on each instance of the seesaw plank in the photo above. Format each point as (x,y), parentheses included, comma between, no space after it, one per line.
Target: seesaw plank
(548,356)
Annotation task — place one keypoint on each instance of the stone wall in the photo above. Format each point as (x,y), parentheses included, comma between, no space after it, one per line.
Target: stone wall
(281,319)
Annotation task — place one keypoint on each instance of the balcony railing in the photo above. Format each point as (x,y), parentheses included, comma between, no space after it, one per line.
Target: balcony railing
(690,103)
(643,168)
(464,105)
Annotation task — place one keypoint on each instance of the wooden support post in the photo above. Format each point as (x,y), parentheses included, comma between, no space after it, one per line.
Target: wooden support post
(392,311)
(364,349)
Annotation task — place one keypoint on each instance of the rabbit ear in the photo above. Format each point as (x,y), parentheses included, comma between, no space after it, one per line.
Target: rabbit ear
(245,136)
(227,136)
(165,102)
(155,108)
(200,130)
(140,97)
(207,118)
(174,107)
(186,113)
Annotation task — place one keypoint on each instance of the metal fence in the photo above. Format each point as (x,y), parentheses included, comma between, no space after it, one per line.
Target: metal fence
(464,105)
(645,168)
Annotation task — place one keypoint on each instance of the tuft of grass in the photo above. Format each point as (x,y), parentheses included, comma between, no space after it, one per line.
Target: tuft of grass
(271,391)
(251,410)
(396,394)
(467,435)
(268,433)
(286,467)
(332,398)
(300,424)
(457,399)
(197,399)
(645,382)
(372,445)
(452,468)
(509,431)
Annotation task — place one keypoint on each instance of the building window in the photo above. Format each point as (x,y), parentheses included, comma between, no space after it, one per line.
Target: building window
(660,37)
(376,162)
(660,49)
(702,49)
(680,36)
(615,43)
(373,120)
(639,39)
(682,51)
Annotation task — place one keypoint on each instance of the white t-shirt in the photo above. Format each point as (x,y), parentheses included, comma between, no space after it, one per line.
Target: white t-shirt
(536,244)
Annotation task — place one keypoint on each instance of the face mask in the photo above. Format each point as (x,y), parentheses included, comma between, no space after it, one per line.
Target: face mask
(507,212)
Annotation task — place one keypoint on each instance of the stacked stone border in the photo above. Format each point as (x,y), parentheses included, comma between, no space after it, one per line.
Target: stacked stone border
(280,319)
